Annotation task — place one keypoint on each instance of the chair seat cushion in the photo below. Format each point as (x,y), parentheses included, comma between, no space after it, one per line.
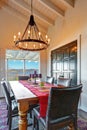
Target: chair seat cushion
(61,109)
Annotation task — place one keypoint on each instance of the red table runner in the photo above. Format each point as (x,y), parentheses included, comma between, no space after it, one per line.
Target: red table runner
(41,93)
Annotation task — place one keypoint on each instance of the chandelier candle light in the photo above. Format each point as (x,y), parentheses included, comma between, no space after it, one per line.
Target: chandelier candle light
(32,38)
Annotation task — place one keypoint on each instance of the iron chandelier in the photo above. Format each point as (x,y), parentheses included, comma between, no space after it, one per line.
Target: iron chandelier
(32,38)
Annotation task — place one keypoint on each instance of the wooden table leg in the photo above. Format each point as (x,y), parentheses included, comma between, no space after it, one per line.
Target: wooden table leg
(23,109)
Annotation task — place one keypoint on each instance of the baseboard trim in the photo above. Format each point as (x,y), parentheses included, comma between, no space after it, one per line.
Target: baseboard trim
(82,113)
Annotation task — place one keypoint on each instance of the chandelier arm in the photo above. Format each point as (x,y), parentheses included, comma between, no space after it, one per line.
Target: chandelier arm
(36,31)
(30,30)
(25,30)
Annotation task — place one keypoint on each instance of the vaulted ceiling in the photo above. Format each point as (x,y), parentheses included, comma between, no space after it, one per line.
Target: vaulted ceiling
(45,12)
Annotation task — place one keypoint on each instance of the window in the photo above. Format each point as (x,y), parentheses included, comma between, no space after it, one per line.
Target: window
(30,66)
(21,63)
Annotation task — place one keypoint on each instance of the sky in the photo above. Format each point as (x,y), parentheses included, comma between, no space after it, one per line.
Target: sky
(18,64)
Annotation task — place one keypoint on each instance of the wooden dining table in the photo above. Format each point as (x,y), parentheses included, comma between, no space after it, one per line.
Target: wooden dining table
(24,97)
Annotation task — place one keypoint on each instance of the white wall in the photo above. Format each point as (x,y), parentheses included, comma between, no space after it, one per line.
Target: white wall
(2,68)
(9,25)
(65,30)
(72,27)
(43,64)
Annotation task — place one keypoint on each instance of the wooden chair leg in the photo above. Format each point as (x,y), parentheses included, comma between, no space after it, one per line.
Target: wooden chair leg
(30,114)
(7,107)
(8,115)
(9,119)
(75,125)
(35,123)
(10,123)
(71,126)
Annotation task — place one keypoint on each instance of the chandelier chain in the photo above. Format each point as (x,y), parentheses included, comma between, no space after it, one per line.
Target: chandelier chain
(31,7)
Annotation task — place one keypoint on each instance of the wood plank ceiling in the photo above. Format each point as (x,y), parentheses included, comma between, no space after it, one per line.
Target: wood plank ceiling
(45,11)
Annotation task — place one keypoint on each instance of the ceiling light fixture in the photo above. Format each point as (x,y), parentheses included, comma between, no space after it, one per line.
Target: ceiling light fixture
(32,38)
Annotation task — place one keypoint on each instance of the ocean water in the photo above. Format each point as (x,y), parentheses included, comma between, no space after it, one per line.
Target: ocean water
(13,74)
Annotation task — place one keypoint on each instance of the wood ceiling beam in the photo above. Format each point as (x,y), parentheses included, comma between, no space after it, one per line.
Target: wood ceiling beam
(53,8)
(69,3)
(15,13)
(36,57)
(32,58)
(26,7)
(21,16)
(27,56)
(18,55)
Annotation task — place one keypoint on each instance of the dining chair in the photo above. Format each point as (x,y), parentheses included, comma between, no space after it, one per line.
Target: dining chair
(61,110)
(9,89)
(66,82)
(23,77)
(49,79)
(11,105)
